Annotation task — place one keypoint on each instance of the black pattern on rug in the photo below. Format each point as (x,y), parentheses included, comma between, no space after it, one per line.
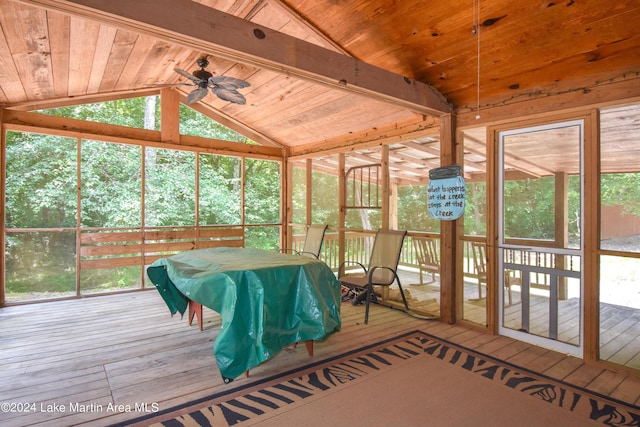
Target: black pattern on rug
(320,377)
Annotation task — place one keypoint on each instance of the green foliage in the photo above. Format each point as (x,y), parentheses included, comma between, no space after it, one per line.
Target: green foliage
(529,209)
(267,238)
(621,189)
(103,280)
(196,124)
(475,209)
(366,219)
(42,192)
(299,196)
(124,112)
(413,212)
(40,185)
(220,190)
(111,185)
(40,264)
(262,192)
(170,187)
(324,203)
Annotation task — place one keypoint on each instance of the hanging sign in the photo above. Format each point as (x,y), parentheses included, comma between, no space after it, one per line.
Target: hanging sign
(446,192)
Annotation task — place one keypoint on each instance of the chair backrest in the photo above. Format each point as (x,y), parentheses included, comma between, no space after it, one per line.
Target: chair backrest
(386,251)
(426,251)
(313,240)
(480,260)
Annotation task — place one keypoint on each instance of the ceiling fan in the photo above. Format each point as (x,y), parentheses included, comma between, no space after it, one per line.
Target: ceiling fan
(224,87)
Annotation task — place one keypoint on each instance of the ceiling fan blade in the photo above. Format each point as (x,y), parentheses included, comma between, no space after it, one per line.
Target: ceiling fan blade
(230,95)
(186,74)
(228,82)
(196,95)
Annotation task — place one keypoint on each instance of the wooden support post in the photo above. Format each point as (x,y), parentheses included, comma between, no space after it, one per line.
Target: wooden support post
(591,237)
(384,182)
(170,116)
(562,226)
(492,228)
(341,208)
(448,235)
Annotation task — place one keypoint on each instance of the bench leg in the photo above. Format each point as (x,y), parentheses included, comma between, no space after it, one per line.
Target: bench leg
(195,309)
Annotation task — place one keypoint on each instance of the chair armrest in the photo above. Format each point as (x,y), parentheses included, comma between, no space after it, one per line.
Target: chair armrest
(341,267)
(310,253)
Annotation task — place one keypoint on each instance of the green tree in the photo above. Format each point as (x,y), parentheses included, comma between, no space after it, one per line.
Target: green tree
(220,190)
(40,183)
(413,211)
(111,185)
(262,201)
(124,112)
(196,124)
(324,201)
(621,189)
(169,187)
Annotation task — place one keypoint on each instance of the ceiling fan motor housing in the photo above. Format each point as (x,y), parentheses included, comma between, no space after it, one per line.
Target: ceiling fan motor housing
(202,74)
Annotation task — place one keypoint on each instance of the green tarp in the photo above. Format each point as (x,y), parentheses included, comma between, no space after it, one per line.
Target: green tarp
(267,300)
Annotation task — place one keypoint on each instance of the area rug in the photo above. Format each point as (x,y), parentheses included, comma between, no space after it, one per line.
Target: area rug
(413,379)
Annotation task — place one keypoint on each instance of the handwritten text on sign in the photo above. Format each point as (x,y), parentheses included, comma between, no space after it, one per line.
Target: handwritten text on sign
(446,193)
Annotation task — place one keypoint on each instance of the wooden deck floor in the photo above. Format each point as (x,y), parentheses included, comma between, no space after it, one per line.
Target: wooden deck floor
(619,328)
(126,349)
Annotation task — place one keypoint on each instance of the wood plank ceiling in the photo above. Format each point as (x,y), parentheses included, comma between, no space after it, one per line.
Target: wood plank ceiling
(55,52)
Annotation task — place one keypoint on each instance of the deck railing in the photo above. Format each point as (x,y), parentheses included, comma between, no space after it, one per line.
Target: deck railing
(118,248)
(358,248)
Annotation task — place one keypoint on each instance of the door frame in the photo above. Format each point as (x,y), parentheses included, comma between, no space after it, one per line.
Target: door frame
(588,158)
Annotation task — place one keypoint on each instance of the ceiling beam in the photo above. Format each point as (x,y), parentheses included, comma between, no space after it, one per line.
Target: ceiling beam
(63,126)
(393,134)
(43,104)
(214,32)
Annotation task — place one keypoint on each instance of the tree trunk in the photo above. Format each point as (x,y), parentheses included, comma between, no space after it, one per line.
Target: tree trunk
(150,112)
(149,153)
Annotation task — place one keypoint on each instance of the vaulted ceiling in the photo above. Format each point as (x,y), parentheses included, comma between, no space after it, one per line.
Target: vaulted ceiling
(323,73)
